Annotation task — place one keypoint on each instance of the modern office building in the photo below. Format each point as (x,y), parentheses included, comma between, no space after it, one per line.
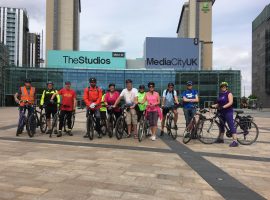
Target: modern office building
(206,82)
(196,22)
(261,57)
(62,24)
(4,62)
(13,33)
(33,50)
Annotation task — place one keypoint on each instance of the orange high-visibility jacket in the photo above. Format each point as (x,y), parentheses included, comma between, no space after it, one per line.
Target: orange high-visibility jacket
(25,96)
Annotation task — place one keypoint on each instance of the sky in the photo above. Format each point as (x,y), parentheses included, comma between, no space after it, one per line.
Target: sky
(122,25)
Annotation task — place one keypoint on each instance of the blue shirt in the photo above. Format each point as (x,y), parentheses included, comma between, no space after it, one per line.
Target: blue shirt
(189,94)
(169,100)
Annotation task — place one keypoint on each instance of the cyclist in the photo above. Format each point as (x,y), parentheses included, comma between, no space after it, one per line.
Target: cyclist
(92,98)
(50,108)
(130,96)
(153,110)
(103,108)
(169,100)
(225,107)
(141,106)
(68,106)
(26,95)
(110,99)
(190,98)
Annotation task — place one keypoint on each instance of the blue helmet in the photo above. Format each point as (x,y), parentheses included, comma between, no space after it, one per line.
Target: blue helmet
(189,83)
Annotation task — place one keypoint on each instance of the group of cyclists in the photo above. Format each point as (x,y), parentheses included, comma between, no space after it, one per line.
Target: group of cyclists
(140,102)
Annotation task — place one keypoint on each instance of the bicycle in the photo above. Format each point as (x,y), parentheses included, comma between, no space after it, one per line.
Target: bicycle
(91,124)
(121,128)
(42,120)
(55,121)
(245,127)
(171,126)
(195,129)
(144,128)
(31,120)
(111,121)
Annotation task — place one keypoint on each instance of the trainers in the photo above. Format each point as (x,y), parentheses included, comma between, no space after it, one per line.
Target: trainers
(49,132)
(59,134)
(161,133)
(99,135)
(219,141)
(69,132)
(175,127)
(86,136)
(153,138)
(234,144)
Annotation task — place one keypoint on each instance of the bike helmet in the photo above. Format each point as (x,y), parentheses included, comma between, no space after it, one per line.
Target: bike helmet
(50,82)
(170,84)
(151,83)
(28,80)
(111,84)
(189,83)
(67,83)
(141,87)
(128,81)
(224,84)
(92,80)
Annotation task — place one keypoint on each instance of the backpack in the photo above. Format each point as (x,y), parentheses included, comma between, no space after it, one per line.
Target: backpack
(172,93)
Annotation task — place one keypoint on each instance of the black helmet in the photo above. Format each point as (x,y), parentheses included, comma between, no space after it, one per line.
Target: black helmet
(28,80)
(67,83)
(151,83)
(170,84)
(128,81)
(111,84)
(141,87)
(92,80)
(50,82)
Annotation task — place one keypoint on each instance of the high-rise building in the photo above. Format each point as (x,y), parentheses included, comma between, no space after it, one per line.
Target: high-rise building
(13,33)
(4,62)
(62,24)
(33,50)
(261,57)
(196,22)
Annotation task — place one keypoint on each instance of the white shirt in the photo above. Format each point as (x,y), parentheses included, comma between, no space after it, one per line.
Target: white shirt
(129,96)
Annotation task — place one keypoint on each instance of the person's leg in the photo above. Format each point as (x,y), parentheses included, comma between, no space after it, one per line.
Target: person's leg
(128,121)
(61,122)
(134,119)
(97,116)
(230,122)
(221,128)
(175,117)
(48,119)
(154,124)
(186,116)
(164,113)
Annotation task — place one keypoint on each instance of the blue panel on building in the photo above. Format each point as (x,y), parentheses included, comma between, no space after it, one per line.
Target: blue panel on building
(172,53)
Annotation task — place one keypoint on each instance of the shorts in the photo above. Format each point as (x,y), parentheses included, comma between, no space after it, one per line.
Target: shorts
(131,117)
(103,114)
(152,118)
(50,111)
(166,110)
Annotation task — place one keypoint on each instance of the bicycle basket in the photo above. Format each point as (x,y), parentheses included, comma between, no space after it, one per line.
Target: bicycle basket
(245,122)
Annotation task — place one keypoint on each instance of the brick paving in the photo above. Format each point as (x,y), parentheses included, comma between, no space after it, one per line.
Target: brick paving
(77,168)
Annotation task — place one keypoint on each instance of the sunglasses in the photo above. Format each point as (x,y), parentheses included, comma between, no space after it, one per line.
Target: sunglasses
(92,82)
(151,86)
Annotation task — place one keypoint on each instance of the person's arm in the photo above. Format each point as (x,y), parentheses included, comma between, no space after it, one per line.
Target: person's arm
(176,98)
(86,97)
(158,102)
(54,95)
(42,98)
(75,101)
(118,99)
(106,99)
(163,99)
(144,100)
(16,96)
(58,98)
(230,103)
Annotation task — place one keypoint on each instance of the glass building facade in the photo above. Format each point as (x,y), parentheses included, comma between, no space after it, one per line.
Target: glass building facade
(206,82)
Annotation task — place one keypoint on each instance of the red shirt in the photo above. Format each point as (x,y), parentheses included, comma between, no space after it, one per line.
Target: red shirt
(68,97)
(92,95)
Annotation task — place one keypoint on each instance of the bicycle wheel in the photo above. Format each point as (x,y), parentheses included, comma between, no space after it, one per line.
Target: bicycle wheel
(187,136)
(141,131)
(248,136)
(54,123)
(32,125)
(103,125)
(90,128)
(43,123)
(120,128)
(173,127)
(208,131)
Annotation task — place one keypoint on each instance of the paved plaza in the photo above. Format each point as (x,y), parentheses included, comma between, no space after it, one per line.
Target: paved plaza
(74,168)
